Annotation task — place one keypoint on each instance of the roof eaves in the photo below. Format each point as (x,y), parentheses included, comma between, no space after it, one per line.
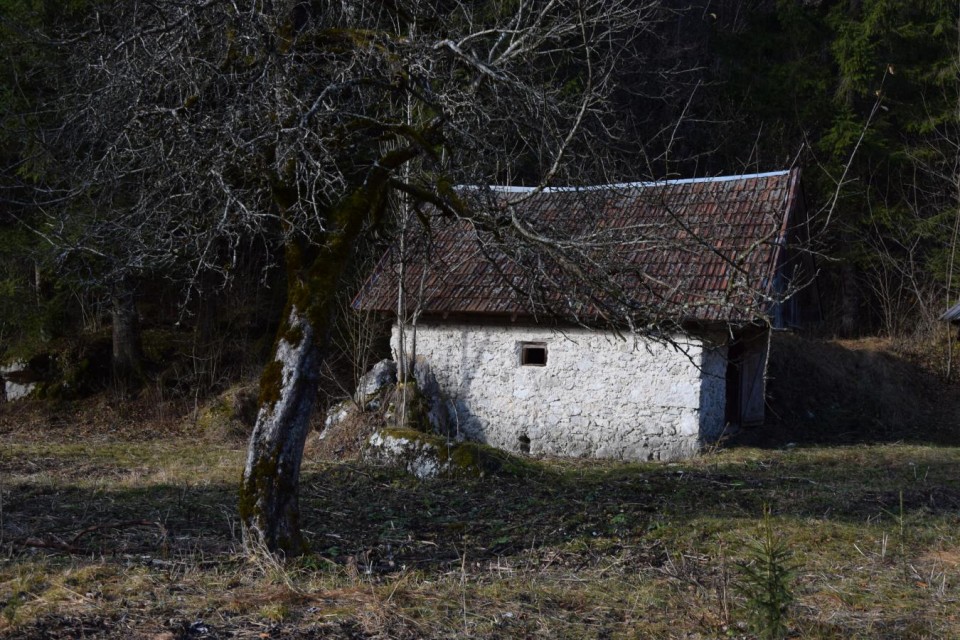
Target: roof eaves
(793,188)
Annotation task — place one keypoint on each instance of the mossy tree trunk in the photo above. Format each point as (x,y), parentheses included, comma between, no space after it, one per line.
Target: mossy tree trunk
(269,496)
(269,493)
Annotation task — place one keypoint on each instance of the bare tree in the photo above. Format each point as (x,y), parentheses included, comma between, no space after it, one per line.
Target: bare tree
(195,126)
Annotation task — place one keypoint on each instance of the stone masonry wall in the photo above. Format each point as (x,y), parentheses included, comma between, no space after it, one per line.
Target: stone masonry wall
(598,395)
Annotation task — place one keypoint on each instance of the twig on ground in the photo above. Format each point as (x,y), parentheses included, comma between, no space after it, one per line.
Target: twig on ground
(71,547)
(121,525)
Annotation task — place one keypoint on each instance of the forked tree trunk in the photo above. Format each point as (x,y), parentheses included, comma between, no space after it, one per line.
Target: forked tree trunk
(269,496)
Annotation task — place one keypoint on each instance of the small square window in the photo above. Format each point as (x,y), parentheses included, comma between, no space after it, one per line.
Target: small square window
(533,354)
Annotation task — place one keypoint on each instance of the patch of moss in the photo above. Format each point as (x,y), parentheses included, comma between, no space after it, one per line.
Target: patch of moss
(263,472)
(403,433)
(213,416)
(465,459)
(415,409)
(481,459)
(225,418)
(293,336)
(271,381)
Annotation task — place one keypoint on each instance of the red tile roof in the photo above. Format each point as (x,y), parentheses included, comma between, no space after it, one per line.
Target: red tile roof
(684,250)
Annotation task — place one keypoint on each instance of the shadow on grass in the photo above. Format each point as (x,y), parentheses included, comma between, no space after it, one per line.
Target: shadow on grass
(836,393)
(194,521)
(387,521)
(648,524)
(391,521)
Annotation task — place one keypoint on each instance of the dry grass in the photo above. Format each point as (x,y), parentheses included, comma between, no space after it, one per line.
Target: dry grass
(865,391)
(576,550)
(569,550)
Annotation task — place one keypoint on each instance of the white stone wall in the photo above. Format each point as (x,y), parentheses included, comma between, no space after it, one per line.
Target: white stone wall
(598,396)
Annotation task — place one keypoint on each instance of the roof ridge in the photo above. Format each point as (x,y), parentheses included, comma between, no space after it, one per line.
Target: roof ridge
(630,185)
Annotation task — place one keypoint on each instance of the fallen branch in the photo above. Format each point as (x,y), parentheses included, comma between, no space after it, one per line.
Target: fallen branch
(120,525)
(71,547)
(45,544)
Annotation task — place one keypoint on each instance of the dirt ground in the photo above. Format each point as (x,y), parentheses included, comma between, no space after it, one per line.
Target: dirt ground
(118,520)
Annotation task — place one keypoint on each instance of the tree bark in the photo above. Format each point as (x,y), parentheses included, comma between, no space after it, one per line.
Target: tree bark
(127,356)
(850,302)
(269,495)
(269,492)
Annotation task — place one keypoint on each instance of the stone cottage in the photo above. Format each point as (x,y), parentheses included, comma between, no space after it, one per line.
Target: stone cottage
(535,343)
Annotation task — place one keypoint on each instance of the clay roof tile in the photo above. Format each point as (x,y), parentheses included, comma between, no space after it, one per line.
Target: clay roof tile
(683,234)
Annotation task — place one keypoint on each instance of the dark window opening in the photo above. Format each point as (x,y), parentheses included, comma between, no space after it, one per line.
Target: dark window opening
(533,354)
(524,442)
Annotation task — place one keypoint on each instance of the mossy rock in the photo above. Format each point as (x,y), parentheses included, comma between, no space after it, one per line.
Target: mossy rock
(66,369)
(229,416)
(426,455)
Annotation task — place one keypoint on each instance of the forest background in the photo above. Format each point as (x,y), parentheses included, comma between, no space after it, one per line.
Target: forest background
(131,345)
(862,94)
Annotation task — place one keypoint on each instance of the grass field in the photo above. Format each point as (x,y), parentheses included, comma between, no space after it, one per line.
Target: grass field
(118,520)
(572,550)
